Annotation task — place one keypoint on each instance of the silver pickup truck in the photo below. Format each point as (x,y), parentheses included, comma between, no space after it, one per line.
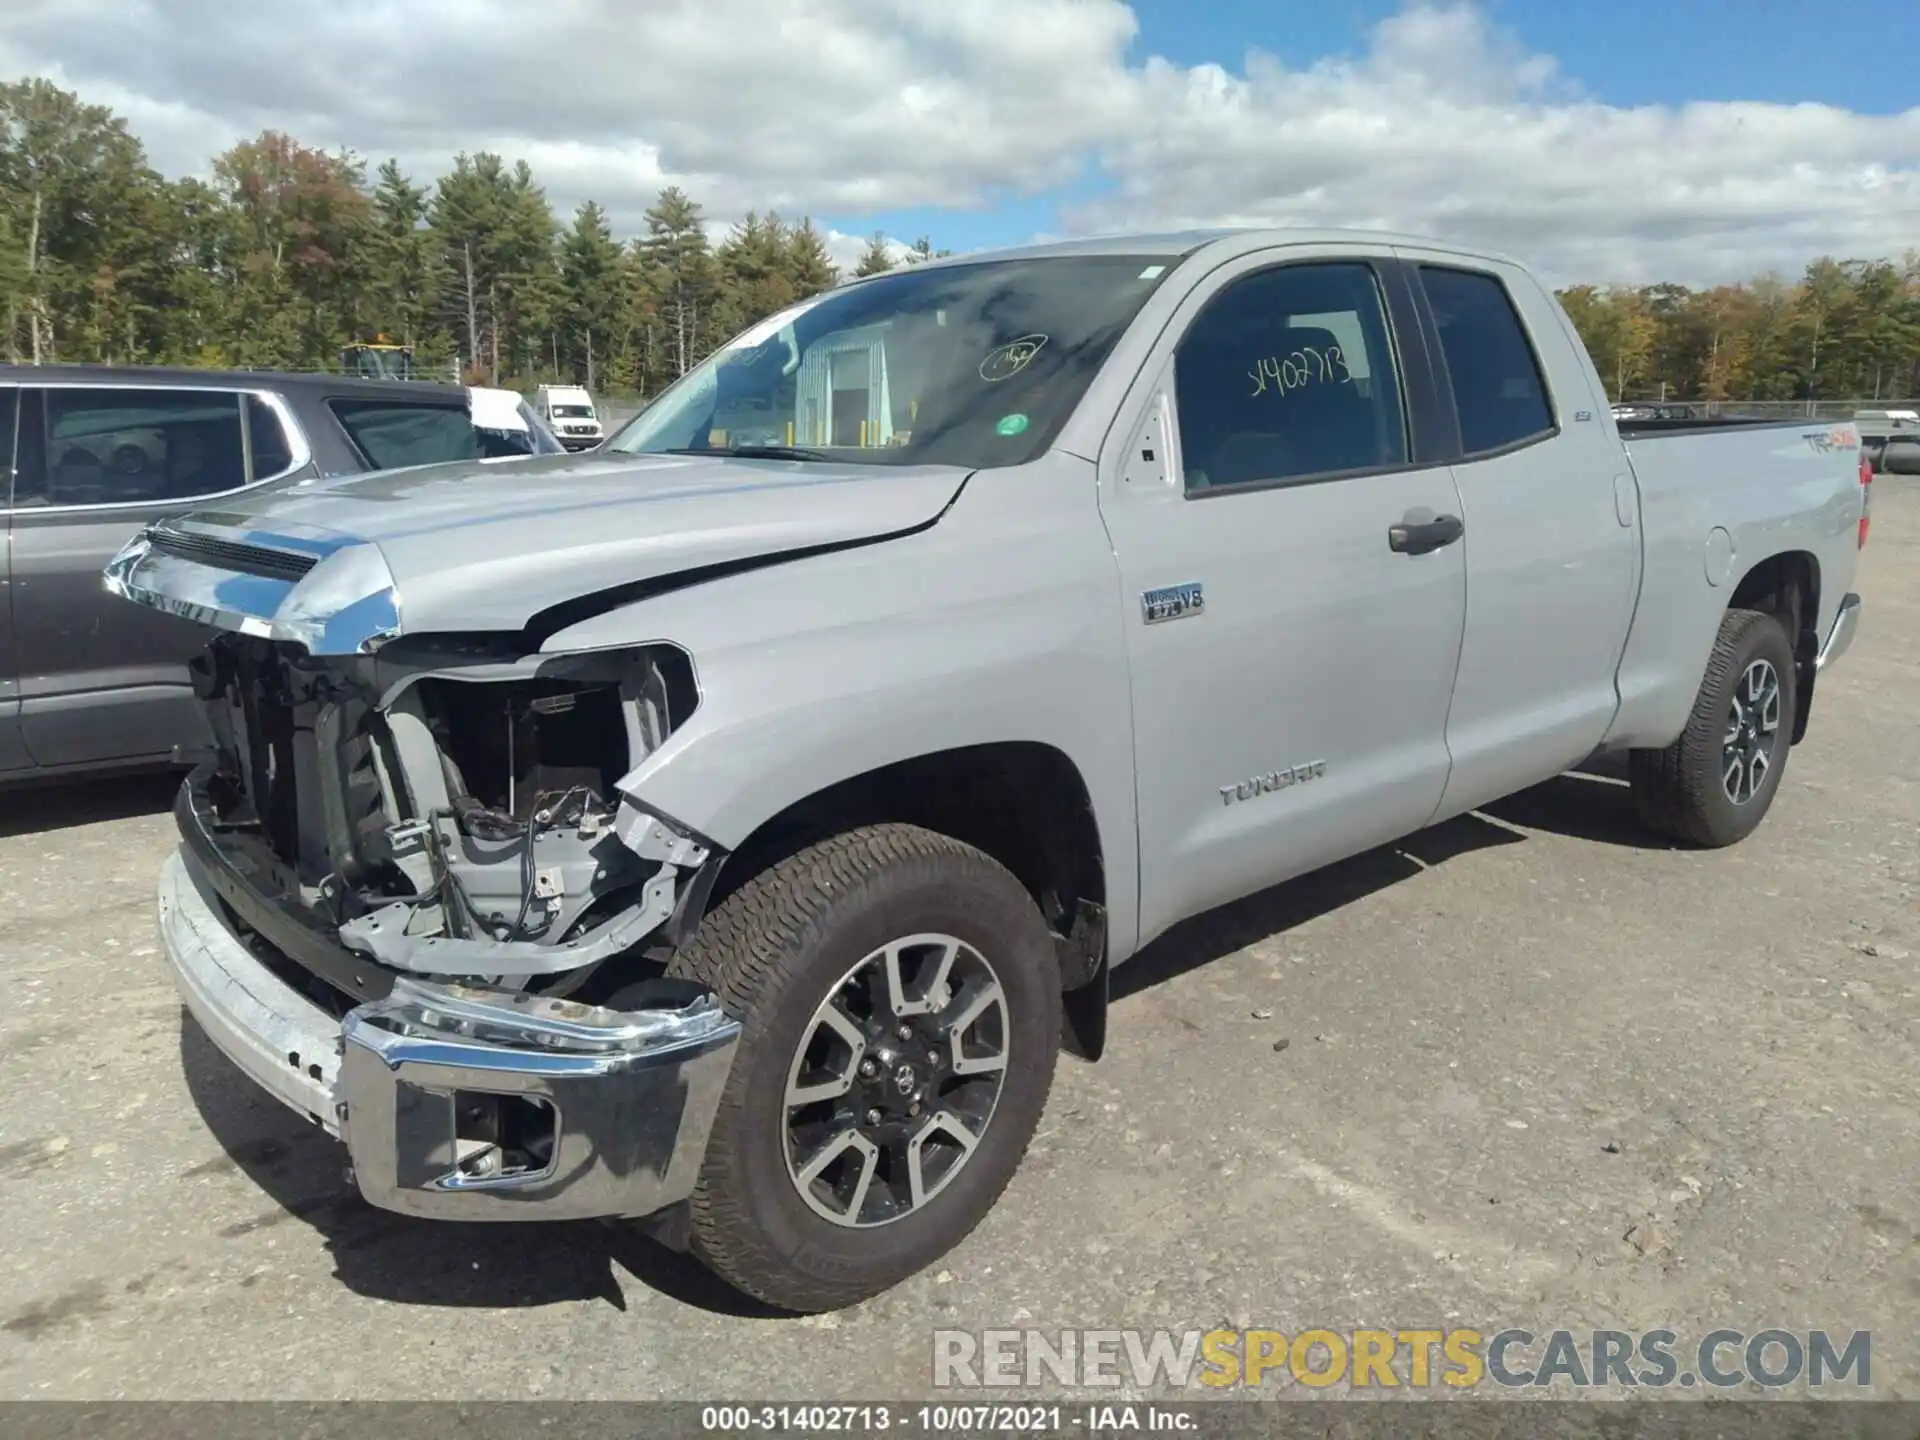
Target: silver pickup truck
(726,829)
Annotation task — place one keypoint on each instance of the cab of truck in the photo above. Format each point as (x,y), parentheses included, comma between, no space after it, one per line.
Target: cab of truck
(569,413)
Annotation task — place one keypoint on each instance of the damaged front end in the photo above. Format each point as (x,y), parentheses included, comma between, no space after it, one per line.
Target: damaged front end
(444,812)
(414,901)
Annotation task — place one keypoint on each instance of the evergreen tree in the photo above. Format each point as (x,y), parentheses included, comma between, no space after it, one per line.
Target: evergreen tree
(404,266)
(876,259)
(471,218)
(531,296)
(811,268)
(679,283)
(756,271)
(591,276)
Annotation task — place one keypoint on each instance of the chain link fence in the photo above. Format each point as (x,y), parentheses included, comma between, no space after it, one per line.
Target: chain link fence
(616,410)
(1777,409)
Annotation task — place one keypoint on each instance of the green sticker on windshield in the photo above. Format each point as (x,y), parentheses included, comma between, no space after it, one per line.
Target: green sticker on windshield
(1011,424)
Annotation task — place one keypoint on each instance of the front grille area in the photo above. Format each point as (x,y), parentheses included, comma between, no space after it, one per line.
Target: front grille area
(233,555)
(296,759)
(269,769)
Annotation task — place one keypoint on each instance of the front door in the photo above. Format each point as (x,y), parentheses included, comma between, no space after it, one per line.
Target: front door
(101,679)
(1294,588)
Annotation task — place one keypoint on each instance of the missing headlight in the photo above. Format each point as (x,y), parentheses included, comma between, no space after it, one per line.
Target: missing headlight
(512,850)
(512,746)
(507,747)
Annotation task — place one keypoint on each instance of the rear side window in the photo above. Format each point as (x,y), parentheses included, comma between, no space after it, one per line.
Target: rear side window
(391,434)
(1288,374)
(272,454)
(1498,390)
(103,446)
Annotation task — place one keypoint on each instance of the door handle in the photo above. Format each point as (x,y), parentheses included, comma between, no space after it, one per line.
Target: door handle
(1422,531)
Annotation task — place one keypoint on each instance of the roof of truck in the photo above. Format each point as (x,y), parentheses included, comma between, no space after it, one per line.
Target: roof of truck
(1181,243)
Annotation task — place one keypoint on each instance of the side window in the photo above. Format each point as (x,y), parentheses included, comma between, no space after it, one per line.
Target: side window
(1286,374)
(391,434)
(1497,386)
(267,441)
(101,446)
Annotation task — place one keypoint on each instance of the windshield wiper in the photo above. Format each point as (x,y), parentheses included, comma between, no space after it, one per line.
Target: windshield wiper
(753,452)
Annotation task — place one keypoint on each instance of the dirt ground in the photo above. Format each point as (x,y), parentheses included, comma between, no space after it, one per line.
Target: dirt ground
(1510,1042)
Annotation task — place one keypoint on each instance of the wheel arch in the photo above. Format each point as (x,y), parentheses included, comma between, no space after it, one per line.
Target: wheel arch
(1786,585)
(1024,803)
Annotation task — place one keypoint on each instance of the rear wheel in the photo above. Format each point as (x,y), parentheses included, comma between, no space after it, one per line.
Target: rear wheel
(900,1004)
(1714,784)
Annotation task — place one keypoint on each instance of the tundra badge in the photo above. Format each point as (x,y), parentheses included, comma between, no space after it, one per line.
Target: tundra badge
(1273,780)
(1172,602)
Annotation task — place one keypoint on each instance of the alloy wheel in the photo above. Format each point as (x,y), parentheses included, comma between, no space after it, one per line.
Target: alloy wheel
(1753,728)
(895,1080)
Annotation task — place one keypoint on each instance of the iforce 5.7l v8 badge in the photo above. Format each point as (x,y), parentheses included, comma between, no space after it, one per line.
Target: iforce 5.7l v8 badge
(1172,602)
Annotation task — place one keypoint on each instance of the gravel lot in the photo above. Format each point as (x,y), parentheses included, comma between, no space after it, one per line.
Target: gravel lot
(1511,1041)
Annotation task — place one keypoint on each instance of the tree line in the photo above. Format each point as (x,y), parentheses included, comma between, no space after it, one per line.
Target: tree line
(285,253)
(1847,329)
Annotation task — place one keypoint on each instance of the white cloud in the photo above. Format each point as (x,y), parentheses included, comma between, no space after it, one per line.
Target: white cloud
(1443,123)
(1444,126)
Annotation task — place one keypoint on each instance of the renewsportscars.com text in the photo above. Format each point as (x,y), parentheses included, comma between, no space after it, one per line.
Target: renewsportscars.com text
(1458,1358)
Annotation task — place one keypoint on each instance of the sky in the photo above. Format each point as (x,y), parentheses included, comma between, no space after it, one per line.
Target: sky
(1606,141)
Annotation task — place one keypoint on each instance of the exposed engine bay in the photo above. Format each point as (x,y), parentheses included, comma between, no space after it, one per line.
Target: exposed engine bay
(451,811)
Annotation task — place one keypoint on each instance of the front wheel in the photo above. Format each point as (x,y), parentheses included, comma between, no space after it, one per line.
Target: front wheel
(899,999)
(1713,785)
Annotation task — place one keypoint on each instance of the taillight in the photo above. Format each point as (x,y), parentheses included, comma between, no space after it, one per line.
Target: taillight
(1866,494)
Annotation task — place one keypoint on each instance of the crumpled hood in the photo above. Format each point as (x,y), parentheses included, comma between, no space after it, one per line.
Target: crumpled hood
(491,545)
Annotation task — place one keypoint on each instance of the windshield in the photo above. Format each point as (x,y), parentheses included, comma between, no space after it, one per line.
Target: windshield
(972,365)
(571,412)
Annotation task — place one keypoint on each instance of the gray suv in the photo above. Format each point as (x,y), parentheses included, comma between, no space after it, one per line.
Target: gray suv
(90,455)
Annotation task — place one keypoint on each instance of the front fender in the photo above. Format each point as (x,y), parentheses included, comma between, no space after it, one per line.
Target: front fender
(1000,623)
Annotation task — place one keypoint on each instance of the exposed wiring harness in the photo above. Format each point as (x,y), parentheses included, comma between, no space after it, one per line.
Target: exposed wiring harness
(551,810)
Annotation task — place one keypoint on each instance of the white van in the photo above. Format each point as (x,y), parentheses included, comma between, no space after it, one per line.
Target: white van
(569,413)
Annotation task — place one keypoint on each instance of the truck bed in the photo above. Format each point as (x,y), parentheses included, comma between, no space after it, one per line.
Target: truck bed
(1715,495)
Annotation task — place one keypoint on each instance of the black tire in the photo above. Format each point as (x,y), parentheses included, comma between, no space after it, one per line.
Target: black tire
(1682,791)
(774,950)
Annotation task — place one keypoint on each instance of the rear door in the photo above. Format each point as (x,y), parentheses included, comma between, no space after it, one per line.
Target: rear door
(99,679)
(1553,549)
(1293,584)
(13,751)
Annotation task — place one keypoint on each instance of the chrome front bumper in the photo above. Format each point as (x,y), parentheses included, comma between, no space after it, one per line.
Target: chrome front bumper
(1840,638)
(457,1104)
